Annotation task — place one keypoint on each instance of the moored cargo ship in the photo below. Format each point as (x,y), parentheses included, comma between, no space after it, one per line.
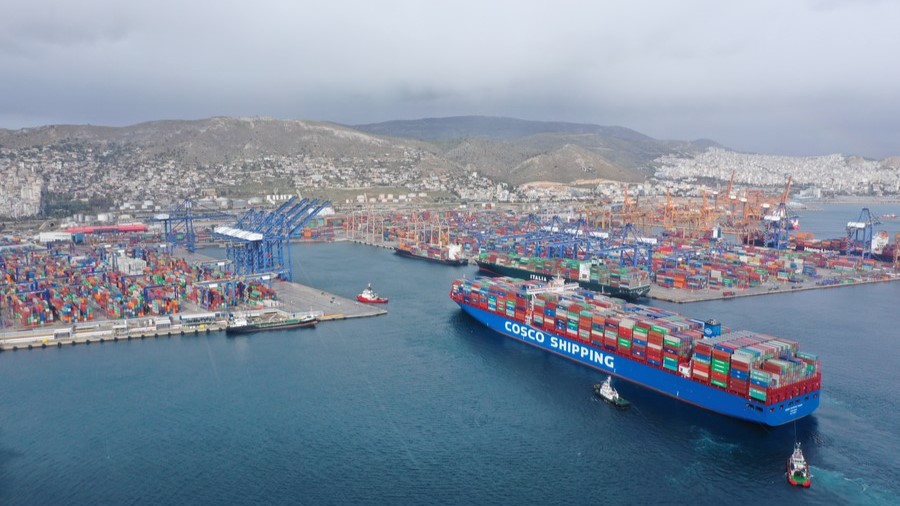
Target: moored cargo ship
(448,255)
(250,325)
(882,248)
(749,376)
(839,245)
(629,283)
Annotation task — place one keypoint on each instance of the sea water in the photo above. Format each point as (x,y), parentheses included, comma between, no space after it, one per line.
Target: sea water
(426,406)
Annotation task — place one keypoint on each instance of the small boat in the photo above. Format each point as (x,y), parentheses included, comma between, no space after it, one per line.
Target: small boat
(606,392)
(369,295)
(798,469)
(248,325)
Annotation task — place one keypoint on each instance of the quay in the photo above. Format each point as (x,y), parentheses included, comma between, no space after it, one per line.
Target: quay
(294,297)
(297,298)
(681,296)
(112,331)
(291,299)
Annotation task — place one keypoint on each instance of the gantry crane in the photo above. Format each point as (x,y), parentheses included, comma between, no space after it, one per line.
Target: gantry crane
(780,221)
(256,243)
(860,233)
(178,222)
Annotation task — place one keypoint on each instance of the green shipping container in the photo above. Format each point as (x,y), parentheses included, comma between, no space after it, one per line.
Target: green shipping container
(624,343)
(720,364)
(672,342)
(719,383)
(757,394)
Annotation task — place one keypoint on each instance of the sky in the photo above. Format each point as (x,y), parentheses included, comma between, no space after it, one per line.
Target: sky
(793,77)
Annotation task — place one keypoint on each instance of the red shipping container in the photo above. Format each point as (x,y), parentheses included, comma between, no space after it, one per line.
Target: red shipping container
(703,348)
(713,375)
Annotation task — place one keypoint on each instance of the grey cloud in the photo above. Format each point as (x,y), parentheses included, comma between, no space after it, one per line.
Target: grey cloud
(801,77)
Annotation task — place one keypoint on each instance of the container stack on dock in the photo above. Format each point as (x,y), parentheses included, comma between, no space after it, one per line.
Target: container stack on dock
(42,287)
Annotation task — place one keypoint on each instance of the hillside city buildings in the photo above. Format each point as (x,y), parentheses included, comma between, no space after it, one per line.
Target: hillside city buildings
(21,192)
(127,180)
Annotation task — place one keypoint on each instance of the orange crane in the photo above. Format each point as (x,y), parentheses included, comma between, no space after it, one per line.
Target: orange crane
(787,191)
(730,184)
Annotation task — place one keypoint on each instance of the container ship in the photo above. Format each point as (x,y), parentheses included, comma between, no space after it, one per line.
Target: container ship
(629,283)
(741,374)
(882,248)
(839,245)
(449,255)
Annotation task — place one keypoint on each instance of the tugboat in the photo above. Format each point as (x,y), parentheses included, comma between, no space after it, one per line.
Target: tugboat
(369,295)
(606,392)
(798,469)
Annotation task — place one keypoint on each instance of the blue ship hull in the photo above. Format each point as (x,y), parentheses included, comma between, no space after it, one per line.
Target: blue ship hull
(660,380)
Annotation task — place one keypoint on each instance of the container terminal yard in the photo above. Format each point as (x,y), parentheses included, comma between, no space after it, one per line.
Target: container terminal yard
(124,282)
(139,280)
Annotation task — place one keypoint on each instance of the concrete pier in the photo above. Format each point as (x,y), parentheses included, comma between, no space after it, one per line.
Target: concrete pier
(291,298)
(682,296)
(297,298)
(103,332)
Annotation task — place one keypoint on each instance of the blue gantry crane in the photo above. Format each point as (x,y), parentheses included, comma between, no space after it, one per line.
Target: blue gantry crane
(178,222)
(259,241)
(554,238)
(778,225)
(860,233)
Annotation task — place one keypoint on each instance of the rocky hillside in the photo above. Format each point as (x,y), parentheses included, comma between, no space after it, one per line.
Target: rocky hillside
(165,160)
(216,140)
(519,151)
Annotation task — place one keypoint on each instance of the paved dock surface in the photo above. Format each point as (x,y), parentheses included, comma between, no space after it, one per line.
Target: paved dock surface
(297,298)
(292,298)
(682,296)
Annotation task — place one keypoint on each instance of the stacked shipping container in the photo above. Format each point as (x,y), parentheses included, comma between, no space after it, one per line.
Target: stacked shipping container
(747,364)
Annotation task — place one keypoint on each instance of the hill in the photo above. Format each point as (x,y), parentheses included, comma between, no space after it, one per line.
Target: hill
(166,160)
(519,151)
